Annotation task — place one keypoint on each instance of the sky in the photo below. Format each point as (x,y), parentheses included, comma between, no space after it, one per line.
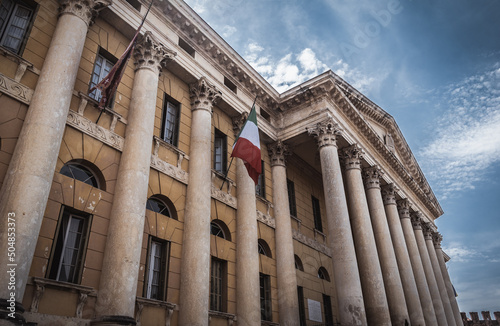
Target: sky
(434,65)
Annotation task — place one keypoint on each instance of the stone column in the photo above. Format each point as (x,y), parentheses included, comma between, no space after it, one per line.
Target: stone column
(402,257)
(345,265)
(288,302)
(120,269)
(247,255)
(28,179)
(437,238)
(385,248)
(195,263)
(416,263)
(372,283)
(416,220)
(427,229)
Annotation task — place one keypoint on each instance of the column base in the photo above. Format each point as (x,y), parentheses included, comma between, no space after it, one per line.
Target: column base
(11,313)
(113,321)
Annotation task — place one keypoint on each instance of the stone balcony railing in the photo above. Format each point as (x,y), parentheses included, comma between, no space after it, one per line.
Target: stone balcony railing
(475,321)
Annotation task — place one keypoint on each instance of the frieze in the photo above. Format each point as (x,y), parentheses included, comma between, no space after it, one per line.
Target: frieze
(266,219)
(169,169)
(224,197)
(90,128)
(312,243)
(15,89)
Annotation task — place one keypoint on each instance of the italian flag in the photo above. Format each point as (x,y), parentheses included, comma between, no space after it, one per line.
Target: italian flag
(247,146)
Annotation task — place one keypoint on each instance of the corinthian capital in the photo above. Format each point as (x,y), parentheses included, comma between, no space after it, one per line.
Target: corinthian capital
(371,177)
(203,95)
(151,54)
(389,194)
(325,132)
(437,238)
(238,123)
(87,10)
(428,229)
(351,156)
(416,220)
(403,208)
(277,152)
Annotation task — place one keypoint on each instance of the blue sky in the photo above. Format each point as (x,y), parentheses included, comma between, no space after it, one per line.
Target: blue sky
(434,66)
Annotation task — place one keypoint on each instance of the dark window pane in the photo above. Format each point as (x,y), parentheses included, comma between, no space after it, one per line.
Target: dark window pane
(291,197)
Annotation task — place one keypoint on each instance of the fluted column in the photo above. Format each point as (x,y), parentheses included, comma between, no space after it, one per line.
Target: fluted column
(120,270)
(247,255)
(427,229)
(28,179)
(345,265)
(416,263)
(402,257)
(437,238)
(385,248)
(288,302)
(372,283)
(195,263)
(416,220)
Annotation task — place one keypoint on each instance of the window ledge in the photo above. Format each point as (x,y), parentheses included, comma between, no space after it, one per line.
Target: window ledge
(85,99)
(230,317)
(159,141)
(41,283)
(298,220)
(141,302)
(23,64)
(318,232)
(266,202)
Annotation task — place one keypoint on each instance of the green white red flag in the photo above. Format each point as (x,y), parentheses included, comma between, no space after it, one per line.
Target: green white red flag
(247,146)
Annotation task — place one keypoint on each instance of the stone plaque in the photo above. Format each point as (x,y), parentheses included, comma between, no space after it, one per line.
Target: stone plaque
(314,310)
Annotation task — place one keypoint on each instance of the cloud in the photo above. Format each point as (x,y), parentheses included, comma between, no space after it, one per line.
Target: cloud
(227,31)
(466,142)
(296,68)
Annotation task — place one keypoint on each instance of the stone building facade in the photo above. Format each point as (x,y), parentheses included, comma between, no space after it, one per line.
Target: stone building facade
(126,217)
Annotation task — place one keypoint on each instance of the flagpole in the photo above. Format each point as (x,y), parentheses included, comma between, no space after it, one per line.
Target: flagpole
(232,158)
(138,29)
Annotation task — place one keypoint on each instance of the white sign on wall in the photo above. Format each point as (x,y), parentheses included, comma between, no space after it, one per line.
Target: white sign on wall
(314,310)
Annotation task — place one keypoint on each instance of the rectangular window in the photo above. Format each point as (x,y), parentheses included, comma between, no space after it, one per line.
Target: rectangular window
(327,307)
(69,247)
(291,197)
(186,47)
(302,307)
(260,188)
(229,84)
(317,214)
(103,64)
(15,19)
(265,298)
(218,285)
(155,283)
(171,116)
(220,151)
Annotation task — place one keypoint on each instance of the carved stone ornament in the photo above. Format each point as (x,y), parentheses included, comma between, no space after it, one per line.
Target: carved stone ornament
(389,194)
(416,220)
(427,229)
(15,89)
(203,95)
(403,208)
(371,177)
(437,238)
(351,157)
(277,152)
(325,132)
(87,10)
(149,53)
(238,123)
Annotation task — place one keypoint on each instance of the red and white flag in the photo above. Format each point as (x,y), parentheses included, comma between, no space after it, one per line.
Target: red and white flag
(247,146)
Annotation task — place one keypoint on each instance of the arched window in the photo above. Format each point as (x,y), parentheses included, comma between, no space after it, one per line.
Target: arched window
(84,171)
(162,205)
(220,229)
(298,263)
(323,274)
(264,248)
